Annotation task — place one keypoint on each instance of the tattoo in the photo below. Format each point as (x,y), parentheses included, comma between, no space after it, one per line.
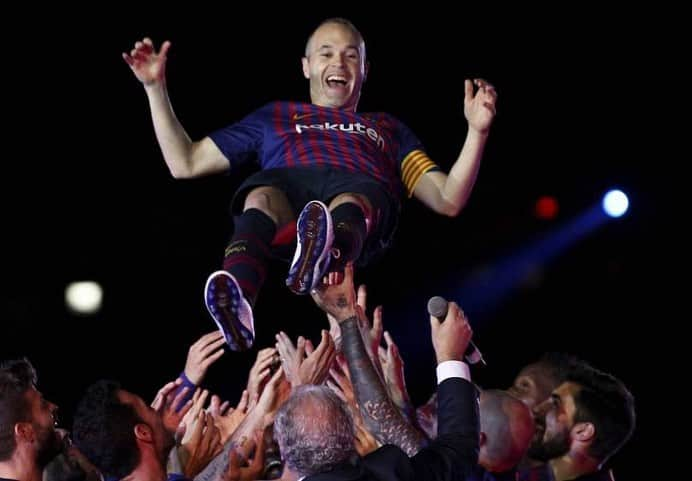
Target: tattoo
(380,414)
(342,302)
(217,466)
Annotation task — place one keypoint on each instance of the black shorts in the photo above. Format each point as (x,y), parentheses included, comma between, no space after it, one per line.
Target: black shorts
(301,185)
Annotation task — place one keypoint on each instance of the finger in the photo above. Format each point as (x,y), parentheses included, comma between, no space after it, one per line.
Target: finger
(164,49)
(209,360)
(274,381)
(377,326)
(129,60)
(175,402)
(214,405)
(262,375)
(348,273)
(309,347)
(242,404)
(265,363)
(388,339)
(285,343)
(468,90)
(337,390)
(300,353)
(224,407)
(266,353)
(434,324)
(362,297)
(208,338)
(490,107)
(140,56)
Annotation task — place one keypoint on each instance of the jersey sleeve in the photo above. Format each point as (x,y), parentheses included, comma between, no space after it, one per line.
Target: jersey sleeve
(242,140)
(413,161)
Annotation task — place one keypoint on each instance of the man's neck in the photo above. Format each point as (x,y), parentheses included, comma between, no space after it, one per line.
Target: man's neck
(572,465)
(21,469)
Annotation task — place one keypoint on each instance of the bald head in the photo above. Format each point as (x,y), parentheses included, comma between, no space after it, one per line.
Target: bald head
(342,22)
(506,430)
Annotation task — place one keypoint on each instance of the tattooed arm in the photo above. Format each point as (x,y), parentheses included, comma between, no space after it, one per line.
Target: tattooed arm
(380,414)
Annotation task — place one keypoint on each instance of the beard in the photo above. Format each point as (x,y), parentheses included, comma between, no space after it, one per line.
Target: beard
(545,450)
(49,445)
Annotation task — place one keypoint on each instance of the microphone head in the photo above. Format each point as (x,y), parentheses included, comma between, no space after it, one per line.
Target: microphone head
(437,307)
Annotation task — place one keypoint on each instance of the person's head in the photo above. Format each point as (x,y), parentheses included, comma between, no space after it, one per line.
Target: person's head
(590,414)
(537,380)
(335,64)
(27,420)
(314,430)
(112,427)
(507,428)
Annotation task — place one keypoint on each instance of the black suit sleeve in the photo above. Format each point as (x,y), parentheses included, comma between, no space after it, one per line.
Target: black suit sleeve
(454,453)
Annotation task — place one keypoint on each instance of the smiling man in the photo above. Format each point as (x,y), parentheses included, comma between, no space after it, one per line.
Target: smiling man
(335,176)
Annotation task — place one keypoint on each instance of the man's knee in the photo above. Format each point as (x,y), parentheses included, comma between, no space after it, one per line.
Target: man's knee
(358,199)
(272,202)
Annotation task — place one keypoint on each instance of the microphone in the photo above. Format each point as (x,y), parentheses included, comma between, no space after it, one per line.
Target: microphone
(437,307)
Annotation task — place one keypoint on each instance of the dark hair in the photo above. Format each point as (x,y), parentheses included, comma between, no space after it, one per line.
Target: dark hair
(339,21)
(558,364)
(17,376)
(604,401)
(104,430)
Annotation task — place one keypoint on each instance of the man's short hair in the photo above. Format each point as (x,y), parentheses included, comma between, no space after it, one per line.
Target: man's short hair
(103,430)
(314,430)
(17,376)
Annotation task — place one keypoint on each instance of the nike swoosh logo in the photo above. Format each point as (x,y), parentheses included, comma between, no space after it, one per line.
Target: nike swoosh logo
(297,117)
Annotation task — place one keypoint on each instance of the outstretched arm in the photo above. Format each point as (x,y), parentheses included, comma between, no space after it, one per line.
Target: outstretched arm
(380,414)
(184,157)
(447,194)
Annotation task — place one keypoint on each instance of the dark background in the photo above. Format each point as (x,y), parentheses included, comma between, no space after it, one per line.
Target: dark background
(87,194)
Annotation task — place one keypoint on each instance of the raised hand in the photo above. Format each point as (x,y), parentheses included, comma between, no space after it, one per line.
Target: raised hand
(202,354)
(451,337)
(167,405)
(202,445)
(148,65)
(372,333)
(393,368)
(228,419)
(300,369)
(260,371)
(479,109)
(199,399)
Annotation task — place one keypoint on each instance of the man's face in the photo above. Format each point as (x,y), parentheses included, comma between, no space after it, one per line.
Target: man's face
(335,65)
(533,385)
(554,422)
(163,440)
(43,421)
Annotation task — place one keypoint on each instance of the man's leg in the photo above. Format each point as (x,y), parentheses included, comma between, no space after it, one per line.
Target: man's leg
(230,293)
(327,239)
(351,218)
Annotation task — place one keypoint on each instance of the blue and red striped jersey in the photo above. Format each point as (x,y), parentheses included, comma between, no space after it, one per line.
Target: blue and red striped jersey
(286,134)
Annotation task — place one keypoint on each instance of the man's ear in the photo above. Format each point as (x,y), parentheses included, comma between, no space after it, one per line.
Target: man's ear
(306,67)
(24,431)
(584,432)
(482,439)
(143,433)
